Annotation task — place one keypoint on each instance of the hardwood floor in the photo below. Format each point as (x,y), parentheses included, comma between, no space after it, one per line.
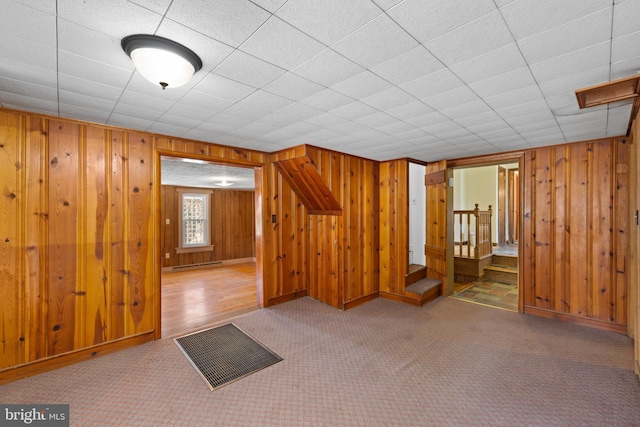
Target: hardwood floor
(195,298)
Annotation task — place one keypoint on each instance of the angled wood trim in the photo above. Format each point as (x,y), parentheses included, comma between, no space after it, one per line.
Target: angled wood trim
(604,93)
(307,183)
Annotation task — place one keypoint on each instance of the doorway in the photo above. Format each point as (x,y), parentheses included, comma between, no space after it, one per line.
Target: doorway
(485,220)
(208,243)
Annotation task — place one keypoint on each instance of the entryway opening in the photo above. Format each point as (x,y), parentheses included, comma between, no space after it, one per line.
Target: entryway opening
(486,234)
(208,247)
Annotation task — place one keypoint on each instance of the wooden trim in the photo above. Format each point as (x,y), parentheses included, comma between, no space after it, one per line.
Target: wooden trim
(400,298)
(286,298)
(438,177)
(584,321)
(40,366)
(605,93)
(361,300)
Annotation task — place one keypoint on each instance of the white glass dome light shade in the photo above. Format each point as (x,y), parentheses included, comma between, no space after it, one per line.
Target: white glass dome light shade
(161,61)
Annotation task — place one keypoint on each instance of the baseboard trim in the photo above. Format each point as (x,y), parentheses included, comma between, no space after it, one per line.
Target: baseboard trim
(361,300)
(400,298)
(40,366)
(210,264)
(286,298)
(592,323)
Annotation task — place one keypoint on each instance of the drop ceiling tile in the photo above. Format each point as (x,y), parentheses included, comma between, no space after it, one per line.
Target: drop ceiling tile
(390,98)
(189,110)
(626,15)
(528,17)
(79,111)
(228,21)
(482,118)
(410,134)
(533,122)
(515,97)
(20,72)
(495,62)
(428,119)
(145,101)
(583,116)
(270,5)
(349,127)
(442,128)
(472,108)
(293,87)
(88,88)
(488,127)
(571,63)
(20,102)
(328,120)
(18,21)
(221,87)
(581,33)
(330,20)
(23,52)
(458,96)
(527,108)
(210,51)
(435,83)
(281,44)
(375,120)
(353,111)
(567,85)
(84,42)
(221,123)
(279,135)
(301,128)
(89,69)
(42,5)
(266,101)
(362,85)
(374,43)
(396,128)
(157,6)
(474,39)
(206,105)
(625,47)
(129,122)
(327,100)
(501,3)
(246,111)
(247,69)
(409,110)
(512,80)
(328,68)
(123,109)
(625,68)
(291,114)
(27,89)
(116,18)
(408,66)
(179,121)
(428,19)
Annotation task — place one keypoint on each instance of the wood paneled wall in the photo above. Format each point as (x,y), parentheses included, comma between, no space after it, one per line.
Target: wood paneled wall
(634,241)
(339,264)
(394,227)
(79,226)
(575,243)
(232,227)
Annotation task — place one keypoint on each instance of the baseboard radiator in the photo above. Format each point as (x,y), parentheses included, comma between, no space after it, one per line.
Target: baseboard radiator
(194,266)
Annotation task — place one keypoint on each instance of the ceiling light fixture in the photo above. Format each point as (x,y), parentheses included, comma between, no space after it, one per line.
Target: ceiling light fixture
(223,183)
(161,61)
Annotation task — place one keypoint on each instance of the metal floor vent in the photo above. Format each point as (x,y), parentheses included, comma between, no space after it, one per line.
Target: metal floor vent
(225,354)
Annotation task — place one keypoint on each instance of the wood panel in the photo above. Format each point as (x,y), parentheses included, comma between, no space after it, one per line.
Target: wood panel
(78,259)
(232,227)
(634,242)
(436,224)
(575,245)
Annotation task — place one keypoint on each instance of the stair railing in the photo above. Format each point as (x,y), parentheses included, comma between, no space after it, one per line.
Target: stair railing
(473,233)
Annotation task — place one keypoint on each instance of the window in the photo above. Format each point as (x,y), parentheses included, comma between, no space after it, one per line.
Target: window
(195,219)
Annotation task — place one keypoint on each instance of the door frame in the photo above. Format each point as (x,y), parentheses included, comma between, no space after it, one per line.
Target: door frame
(158,224)
(490,160)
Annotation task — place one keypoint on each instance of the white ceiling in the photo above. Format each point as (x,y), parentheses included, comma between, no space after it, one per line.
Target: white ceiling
(382,79)
(197,173)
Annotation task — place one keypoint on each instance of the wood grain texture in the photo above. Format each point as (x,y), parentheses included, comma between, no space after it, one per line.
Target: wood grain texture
(575,246)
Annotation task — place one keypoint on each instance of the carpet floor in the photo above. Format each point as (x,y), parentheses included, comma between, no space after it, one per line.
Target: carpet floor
(449,363)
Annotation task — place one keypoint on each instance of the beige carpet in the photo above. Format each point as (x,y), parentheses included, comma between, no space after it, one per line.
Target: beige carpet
(449,363)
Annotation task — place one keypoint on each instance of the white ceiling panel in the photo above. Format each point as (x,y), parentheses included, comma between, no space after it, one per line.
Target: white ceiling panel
(281,44)
(428,19)
(375,43)
(228,21)
(328,68)
(248,69)
(479,37)
(329,20)
(381,79)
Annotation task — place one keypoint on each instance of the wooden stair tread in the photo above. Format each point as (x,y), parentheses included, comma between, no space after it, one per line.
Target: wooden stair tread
(423,286)
(502,268)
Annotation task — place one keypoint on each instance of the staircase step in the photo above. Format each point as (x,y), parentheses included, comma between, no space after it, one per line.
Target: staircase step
(509,260)
(423,286)
(501,274)
(416,273)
